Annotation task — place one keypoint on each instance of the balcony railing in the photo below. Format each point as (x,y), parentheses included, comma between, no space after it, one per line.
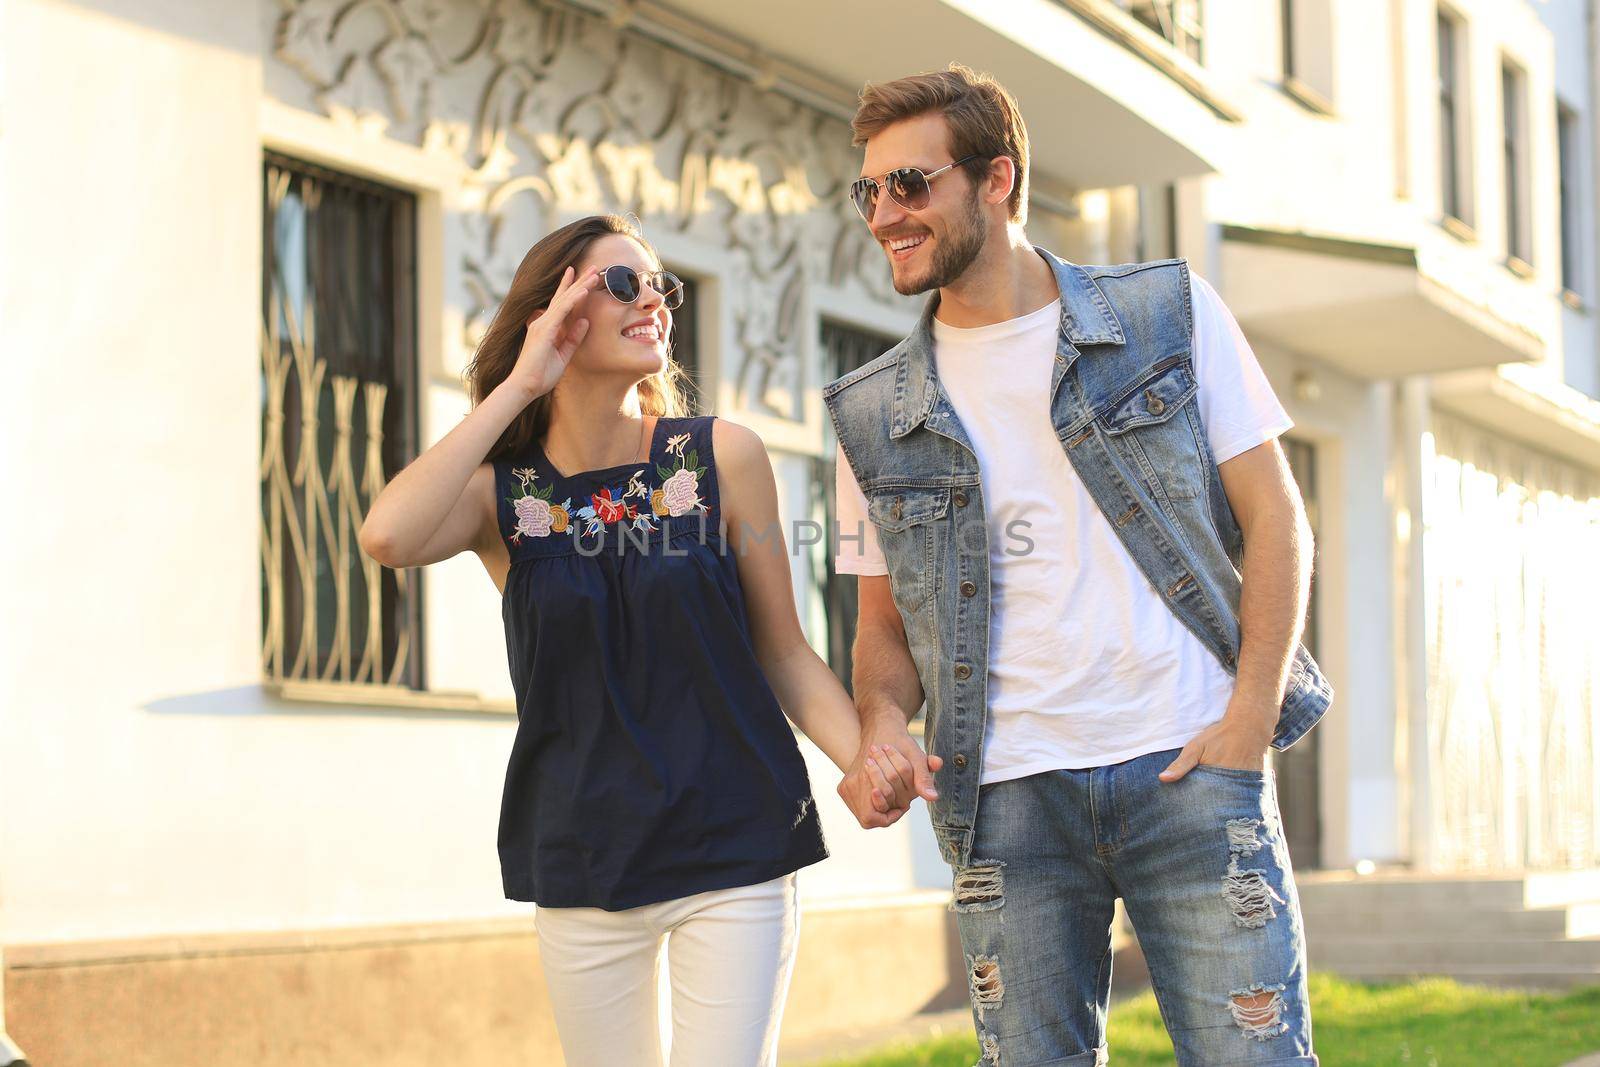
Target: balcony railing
(1178,22)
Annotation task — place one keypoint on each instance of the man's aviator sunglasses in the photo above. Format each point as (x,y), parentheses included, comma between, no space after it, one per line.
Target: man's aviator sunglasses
(907,186)
(627,285)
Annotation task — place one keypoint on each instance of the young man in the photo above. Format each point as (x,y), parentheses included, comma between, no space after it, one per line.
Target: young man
(1063,472)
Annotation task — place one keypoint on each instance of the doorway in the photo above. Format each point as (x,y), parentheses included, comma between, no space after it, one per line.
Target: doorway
(1299,769)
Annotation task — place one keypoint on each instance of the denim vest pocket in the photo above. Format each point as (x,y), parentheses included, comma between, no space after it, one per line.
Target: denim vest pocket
(1155,399)
(1154,424)
(906,519)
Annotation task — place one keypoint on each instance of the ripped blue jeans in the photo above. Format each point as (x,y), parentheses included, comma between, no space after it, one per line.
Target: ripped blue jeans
(1204,873)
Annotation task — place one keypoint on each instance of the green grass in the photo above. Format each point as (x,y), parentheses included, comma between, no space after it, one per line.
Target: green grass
(1432,1022)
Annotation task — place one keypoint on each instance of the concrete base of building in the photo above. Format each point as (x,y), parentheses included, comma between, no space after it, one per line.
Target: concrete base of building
(417,996)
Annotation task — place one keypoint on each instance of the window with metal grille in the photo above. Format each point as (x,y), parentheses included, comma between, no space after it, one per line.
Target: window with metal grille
(844,348)
(339,417)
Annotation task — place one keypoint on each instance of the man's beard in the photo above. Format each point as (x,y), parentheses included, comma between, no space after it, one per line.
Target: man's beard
(952,254)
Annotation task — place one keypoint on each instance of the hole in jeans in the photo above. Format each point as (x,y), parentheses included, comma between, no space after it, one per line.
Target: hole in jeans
(979,887)
(1258,1011)
(985,983)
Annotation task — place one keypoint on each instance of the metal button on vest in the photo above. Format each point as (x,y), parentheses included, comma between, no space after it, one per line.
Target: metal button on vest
(894,510)
(1157,405)
(968,588)
(961,499)
(960,760)
(963,671)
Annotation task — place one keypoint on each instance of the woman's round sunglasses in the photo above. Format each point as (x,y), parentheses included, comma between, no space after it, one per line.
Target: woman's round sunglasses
(907,186)
(627,284)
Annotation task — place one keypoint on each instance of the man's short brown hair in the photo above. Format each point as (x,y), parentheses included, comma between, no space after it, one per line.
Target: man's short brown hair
(982,116)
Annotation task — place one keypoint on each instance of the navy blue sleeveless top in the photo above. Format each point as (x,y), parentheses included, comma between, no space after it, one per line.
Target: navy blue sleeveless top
(651,759)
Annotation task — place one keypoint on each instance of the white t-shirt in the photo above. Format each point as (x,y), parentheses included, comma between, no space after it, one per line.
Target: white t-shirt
(1087,664)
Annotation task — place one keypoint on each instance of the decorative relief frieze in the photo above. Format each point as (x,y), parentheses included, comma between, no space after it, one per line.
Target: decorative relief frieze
(557,113)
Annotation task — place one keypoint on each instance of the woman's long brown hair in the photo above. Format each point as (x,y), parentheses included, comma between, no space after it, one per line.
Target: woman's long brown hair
(533,287)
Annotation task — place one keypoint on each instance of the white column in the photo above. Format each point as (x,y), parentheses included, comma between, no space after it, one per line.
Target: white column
(1411,653)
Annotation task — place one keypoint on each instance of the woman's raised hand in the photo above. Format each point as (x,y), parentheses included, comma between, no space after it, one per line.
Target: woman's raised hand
(552,338)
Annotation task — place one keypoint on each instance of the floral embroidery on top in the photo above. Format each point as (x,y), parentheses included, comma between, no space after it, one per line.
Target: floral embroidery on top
(635,503)
(680,487)
(610,506)
(536,516)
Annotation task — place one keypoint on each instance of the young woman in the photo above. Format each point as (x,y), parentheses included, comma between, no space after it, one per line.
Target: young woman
(653,789)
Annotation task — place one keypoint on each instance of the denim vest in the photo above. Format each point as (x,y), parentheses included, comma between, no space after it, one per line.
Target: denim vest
(1122,400)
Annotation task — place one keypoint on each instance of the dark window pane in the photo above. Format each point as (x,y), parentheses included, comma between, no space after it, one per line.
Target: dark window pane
(1158,222)
(1449,121)
(1286,18)
(1567,185)
(686,345)
(1511,112)
(1298,769)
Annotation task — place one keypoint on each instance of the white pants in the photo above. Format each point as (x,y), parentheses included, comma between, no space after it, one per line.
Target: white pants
(730,953)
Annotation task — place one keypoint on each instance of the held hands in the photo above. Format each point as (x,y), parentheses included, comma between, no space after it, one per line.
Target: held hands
(551,339)
(889,772)
(1239,740)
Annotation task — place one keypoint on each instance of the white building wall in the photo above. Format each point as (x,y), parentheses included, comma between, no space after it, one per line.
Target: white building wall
(165,792)
(1290,167)
(1365,167)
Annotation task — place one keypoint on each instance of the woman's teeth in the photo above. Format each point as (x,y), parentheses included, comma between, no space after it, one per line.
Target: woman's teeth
(643,333)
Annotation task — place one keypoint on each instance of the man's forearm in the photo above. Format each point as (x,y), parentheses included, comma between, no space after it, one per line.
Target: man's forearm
(1272,608)
(885,676)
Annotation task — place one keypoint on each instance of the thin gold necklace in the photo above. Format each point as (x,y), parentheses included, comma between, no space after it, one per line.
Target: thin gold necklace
(644,437)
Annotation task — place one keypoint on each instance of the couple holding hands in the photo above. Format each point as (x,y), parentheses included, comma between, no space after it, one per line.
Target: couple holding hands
(1079,546)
